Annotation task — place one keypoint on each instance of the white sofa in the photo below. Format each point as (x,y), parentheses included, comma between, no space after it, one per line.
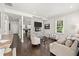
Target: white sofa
(62,50)
(35,40)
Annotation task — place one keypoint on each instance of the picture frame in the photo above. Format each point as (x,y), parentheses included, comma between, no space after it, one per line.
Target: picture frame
(47,26)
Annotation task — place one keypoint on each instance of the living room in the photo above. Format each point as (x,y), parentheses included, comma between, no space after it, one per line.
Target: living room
(44,29)
(60,27)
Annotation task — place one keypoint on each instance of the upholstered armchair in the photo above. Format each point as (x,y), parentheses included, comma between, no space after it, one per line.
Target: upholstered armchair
(35,40)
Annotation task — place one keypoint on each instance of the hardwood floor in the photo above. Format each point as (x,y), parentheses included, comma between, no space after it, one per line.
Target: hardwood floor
(27,49)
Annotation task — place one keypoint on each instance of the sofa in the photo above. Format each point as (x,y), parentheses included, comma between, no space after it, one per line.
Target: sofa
(60,49)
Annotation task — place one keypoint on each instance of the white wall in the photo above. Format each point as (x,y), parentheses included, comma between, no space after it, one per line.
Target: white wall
(49,32)
(4,10)
(14,27)
(38,33)
(70,20)
(4,24)
(27,21)
(0,22)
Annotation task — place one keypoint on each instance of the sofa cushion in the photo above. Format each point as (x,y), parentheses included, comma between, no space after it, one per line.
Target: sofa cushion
(61,41)
(77,35)
(68,43)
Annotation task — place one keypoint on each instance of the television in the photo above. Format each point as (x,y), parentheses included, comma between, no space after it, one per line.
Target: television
(37,24)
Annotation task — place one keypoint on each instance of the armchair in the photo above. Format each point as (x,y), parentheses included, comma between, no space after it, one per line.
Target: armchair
(35,40)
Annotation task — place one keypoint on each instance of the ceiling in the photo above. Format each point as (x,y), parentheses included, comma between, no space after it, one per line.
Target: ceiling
(46,9)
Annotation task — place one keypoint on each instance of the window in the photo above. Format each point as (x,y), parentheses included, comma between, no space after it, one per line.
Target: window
(59,26)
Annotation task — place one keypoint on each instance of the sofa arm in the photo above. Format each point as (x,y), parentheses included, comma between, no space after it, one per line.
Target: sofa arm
(61,50)
(74,45)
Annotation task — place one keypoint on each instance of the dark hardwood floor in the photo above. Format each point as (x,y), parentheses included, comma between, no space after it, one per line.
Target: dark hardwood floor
(27,49)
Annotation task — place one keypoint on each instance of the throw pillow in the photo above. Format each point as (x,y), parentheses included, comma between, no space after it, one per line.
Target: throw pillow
(68,43)
(61,41)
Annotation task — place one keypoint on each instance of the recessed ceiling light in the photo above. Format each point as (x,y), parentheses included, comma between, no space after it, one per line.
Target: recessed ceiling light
(70,6)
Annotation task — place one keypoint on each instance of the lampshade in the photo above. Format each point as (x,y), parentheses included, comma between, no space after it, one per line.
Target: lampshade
(28,26)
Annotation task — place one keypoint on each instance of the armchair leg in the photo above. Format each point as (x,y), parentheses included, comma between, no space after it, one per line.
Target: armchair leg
(51,54)
(36,45)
